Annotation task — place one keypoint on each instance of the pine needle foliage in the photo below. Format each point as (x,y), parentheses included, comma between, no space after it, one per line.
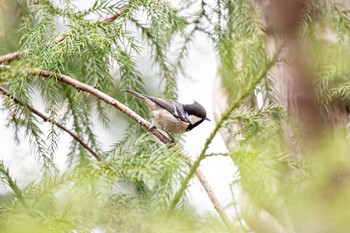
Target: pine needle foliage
(137,184)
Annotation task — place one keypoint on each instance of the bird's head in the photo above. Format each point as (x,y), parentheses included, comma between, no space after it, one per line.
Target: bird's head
(196,113)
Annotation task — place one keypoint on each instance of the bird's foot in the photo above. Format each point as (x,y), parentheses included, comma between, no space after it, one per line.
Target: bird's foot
(166,134)
(152,128)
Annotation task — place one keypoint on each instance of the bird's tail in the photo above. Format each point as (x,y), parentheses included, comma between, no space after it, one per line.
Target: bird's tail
(141,96)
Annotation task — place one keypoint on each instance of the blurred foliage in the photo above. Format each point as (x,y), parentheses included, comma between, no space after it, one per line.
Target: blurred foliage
(137,179)
(10,22)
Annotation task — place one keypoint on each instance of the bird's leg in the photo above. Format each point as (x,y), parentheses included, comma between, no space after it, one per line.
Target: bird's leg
(171,138)
(153,127)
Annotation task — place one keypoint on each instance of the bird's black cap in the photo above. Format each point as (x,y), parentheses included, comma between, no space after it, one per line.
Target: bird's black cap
(196,109)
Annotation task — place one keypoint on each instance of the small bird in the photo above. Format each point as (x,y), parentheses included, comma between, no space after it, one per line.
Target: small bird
(173,117)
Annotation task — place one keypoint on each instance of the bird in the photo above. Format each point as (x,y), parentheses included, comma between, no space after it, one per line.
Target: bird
(172,116)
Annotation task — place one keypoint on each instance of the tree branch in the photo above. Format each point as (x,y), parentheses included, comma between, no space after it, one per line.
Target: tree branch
(9,57)
(214,200)
(109,100)
(99,94)
(59,125)
(108,18)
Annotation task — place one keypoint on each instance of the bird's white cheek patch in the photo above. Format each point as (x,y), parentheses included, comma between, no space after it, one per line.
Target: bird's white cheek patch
(194,119)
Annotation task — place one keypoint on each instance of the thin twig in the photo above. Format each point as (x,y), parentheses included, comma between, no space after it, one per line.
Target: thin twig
(47,119)
(108,18)
(214,200)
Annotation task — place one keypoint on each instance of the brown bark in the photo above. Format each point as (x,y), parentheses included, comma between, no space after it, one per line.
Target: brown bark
(294,77)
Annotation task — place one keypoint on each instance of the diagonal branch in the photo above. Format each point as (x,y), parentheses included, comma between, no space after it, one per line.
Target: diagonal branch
(111,101)
(99,94)
(9,57)
(108,18)
(214,200)
(59,125)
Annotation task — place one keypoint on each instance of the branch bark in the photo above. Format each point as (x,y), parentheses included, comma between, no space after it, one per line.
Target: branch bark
(59,125)
(111,101)
(9,57)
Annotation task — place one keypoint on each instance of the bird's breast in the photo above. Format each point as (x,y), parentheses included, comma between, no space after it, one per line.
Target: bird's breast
(164,120)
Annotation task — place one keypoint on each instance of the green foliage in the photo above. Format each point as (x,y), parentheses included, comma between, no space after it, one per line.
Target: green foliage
(98,193)
(235,42)
(138,184)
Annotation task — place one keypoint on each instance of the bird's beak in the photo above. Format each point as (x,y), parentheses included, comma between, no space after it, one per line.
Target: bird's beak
(206,118)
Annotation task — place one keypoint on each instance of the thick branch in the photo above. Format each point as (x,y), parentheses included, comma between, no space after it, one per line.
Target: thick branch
(59,125)
(108,18)
(9,57)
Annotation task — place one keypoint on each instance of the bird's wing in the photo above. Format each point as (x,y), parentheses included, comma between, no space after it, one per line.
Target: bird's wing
(175,108)
(180,112)
(141,96)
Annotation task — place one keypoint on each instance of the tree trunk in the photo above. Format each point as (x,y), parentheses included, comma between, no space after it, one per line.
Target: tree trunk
(293,79)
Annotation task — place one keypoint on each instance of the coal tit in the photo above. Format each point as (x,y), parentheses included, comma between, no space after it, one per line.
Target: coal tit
(173,117)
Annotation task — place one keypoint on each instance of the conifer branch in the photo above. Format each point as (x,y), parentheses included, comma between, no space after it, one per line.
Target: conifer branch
(109,100)
(12,184)
(47,119)
(108,18)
